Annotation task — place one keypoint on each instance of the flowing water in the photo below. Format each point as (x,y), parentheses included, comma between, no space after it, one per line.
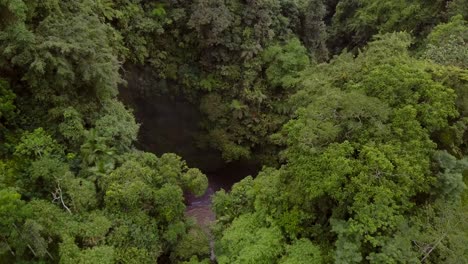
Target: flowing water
(200,208)
(222,178)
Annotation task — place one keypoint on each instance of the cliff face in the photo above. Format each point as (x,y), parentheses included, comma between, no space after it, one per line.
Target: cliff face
(169,122)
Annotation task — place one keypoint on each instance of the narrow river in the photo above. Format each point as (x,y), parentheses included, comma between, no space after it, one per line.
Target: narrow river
(224,178)
(200,209)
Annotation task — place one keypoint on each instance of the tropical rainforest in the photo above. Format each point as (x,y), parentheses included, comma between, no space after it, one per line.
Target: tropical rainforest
(356,110)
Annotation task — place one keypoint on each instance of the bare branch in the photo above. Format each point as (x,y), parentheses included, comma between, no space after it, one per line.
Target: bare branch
(8,245)
(59,197)
(433,247)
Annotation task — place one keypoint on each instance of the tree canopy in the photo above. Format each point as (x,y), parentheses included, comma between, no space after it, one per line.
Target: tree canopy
(357,110)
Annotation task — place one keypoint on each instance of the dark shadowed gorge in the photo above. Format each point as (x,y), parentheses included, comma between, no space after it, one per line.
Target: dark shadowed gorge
(233,131)
(169,121)
(171,124)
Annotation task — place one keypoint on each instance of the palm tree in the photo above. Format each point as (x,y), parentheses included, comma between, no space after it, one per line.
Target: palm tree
(97,154)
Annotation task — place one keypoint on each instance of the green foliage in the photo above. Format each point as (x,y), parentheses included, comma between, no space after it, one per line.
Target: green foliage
(144,196)
(137,23)
(76,192)
(7,106)
(70,253)
(117,125)
(221,52)
(358,160)
(228,206)
(456,27)
(37,144)
(247,240)
(195,260)
(89,50)
(457,7)
(302,251)
(212,14)
(372,145)
(314,32)
(443,234)
(159,11)
(54,58)
(72,128)
(355,22)
(285,63)
(195,243)
(447,43)
(195,181)
(10,211)
(450,183)
(96,153)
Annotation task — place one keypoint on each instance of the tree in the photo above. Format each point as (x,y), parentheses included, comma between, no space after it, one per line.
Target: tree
(144,198)
(355,22)
(301,252)
(246,241)
(446,44)
(7,106)
(358,160)
(285,63)
(10,214)
(117,125)
(37,144)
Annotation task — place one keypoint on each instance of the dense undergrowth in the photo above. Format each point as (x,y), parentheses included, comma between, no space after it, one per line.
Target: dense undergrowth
(358,109)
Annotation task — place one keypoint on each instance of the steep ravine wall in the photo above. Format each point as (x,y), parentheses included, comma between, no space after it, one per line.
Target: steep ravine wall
(169,122)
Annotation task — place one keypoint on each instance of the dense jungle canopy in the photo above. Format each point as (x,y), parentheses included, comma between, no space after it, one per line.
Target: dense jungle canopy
(357,111)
